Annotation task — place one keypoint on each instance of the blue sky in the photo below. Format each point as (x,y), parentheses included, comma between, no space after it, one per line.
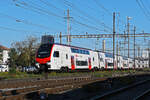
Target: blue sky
(49,19)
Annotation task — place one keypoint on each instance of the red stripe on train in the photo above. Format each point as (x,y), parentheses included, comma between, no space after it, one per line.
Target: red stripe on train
(72,63)
(44,60)
(90,66)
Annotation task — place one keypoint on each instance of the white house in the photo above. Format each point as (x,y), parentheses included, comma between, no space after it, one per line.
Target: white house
(4,56)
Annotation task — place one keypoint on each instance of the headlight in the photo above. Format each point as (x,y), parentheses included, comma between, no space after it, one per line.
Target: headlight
(48,63)
(37,65)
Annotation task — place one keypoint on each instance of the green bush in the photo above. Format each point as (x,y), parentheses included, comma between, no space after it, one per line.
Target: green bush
(12,71)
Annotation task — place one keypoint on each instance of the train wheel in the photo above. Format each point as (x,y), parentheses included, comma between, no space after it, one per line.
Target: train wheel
(44,69)
(95,69)
(64,69)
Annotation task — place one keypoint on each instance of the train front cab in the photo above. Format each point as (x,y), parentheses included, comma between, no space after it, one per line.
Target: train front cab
(62,57)
(43,56)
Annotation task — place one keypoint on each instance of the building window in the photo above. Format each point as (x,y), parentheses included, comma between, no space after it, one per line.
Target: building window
(56,54)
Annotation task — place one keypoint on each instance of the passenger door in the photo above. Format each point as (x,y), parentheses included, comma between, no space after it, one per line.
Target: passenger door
(72,63)
(89,61)
(56,57)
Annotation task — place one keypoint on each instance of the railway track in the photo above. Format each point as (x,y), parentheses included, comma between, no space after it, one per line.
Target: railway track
(144,96)
(15,83)
(22,90)
(136,91)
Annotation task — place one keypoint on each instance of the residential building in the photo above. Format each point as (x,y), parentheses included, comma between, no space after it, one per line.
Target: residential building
(4,56)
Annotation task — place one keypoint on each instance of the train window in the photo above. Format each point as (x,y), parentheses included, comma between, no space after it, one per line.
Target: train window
(143,66)
(84,52)
(80,51)
(101,59)
(110,64)
(44,50)
(56,54)
(73,50)
(66,56)
(81,63)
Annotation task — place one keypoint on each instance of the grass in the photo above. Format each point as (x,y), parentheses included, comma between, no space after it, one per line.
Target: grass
(16,74)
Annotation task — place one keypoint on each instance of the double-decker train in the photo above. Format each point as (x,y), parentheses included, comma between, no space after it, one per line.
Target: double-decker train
(59,57)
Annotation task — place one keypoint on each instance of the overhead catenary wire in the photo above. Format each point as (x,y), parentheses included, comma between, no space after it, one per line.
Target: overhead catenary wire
(41,10)
(105,9)
(97,2)
(91,27)
(33,10)
(81,17)
(51,5)
(143,9)
(37,7)
(23,21)
(69,4)
(18,30)
(101,6)
(76,21)
(48,4)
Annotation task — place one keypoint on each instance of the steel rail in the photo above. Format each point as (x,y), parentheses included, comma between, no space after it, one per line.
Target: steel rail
(117,91)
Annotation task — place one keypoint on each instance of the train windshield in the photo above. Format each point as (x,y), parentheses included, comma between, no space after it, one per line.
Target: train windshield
(44,50)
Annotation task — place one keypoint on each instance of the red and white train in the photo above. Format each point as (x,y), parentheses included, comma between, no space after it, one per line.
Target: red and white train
(64,57)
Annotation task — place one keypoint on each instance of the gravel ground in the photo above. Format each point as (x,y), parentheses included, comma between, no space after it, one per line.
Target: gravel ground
(99,88)
(130,94)
(147,97)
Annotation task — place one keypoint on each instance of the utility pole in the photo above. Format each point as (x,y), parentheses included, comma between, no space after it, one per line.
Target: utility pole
(149,53)
(119,49)
(134,45)
(114,39)
(128,31)
(117,53)
(103,46)
(68,28)
(60,38)
(124,45)
(138,51)
(96,44)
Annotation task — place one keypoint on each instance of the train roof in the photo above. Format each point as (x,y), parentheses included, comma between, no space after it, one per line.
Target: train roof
(74,46)
(90,50)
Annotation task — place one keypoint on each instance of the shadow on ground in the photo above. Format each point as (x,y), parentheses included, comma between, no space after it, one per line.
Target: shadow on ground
(89,90)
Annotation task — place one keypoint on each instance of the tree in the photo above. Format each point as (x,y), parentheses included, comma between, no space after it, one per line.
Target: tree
(1,57)
(13,57)
(24,51)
